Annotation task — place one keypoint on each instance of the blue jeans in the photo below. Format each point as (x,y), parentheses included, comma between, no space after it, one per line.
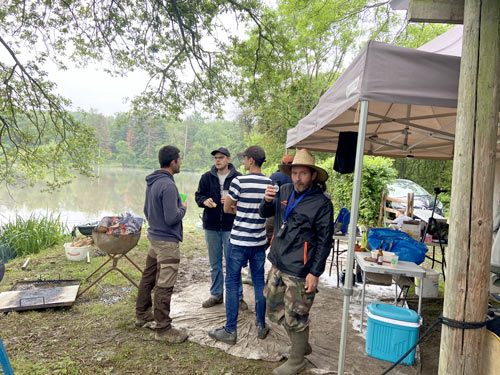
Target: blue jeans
(217,242)
(237,257)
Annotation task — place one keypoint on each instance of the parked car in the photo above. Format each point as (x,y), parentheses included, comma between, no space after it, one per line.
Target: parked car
(422,198)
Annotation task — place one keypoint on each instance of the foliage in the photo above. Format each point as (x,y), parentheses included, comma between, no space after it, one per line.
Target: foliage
(377,173)
(39,140)
(163,38)
(312,42)
(134,140)
(29,236)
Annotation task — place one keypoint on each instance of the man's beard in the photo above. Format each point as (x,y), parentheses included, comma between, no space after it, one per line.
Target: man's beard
(300,188)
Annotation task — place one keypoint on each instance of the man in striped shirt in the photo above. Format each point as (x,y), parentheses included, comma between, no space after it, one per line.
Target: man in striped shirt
(246,243)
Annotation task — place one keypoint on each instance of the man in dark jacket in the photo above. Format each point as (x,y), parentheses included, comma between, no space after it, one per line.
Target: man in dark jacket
(211,193)
(164,211)
(301,243)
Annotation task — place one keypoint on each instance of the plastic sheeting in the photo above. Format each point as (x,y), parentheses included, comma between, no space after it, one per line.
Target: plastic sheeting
(187,313)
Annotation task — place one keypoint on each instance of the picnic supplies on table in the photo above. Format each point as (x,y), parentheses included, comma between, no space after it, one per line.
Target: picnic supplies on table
(400,243)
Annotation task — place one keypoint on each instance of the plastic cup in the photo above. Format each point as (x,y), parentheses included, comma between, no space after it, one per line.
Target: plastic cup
(183,197)
(224,193)
(394,261)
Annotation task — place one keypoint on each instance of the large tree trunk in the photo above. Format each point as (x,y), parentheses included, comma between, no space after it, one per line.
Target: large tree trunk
(466,291)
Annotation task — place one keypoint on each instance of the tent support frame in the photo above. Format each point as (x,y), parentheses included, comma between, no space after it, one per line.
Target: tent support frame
(356,187)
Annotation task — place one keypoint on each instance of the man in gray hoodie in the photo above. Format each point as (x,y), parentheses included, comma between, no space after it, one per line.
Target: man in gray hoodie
(164,211)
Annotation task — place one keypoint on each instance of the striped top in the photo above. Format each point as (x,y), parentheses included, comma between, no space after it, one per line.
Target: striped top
(248,226)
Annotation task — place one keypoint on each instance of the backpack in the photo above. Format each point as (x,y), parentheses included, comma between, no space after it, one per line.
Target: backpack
(342,221)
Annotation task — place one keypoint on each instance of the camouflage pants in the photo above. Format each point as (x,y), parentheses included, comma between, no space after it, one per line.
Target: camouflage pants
(287,300)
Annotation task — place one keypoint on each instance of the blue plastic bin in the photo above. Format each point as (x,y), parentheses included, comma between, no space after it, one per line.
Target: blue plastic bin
(391,331)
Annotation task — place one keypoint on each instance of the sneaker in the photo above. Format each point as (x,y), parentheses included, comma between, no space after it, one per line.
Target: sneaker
(220,334)
(262,331)
(243,305)
(212,301)
(171,335)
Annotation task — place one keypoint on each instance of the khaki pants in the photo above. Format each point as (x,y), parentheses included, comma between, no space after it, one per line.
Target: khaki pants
(162,266)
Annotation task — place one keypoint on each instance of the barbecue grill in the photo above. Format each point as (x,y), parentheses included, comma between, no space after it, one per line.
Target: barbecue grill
(116,246)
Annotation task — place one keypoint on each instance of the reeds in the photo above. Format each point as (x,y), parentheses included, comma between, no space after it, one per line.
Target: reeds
(29,236)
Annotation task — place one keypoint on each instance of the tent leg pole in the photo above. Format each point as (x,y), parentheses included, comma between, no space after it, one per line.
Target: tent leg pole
(356,189)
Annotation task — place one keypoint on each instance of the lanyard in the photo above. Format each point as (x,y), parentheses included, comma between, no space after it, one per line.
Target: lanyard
(289,208)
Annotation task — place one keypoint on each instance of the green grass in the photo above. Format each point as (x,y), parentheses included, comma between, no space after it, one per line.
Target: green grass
(97,334)
(29,236)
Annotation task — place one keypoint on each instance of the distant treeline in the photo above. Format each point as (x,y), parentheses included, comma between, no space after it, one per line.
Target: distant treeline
(134,141)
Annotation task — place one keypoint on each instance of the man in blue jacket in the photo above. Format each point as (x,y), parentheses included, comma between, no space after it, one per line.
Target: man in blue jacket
(164,211)
(212,189)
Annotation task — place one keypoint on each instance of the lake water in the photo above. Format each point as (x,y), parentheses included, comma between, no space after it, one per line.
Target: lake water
(116,191)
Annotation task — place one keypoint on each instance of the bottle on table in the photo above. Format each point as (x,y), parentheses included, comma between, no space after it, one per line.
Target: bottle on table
(380,255)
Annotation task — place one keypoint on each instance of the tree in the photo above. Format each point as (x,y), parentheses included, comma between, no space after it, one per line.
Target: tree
(166,38)
(125,156)
(377,174)
(311,41)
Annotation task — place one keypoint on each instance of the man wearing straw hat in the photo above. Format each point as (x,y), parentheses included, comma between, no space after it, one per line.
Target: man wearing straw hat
(302,240)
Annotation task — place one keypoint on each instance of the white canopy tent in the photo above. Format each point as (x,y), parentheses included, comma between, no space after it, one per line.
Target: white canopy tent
(402,103)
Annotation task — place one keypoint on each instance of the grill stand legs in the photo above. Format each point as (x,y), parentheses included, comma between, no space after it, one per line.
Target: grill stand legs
(114,267)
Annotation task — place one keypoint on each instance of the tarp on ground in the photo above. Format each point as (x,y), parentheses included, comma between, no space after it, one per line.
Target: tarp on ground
(412,97)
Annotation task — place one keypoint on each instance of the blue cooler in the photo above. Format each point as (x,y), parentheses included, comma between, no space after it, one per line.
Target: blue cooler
(391,331)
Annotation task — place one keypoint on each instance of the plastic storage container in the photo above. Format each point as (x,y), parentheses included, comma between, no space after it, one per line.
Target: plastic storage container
(430,284)
(391,332)
(76,253)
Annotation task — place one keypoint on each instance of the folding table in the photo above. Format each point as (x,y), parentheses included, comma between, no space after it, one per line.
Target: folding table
(403,268)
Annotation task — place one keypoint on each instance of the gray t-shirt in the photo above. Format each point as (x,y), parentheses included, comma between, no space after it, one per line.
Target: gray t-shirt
(222,178)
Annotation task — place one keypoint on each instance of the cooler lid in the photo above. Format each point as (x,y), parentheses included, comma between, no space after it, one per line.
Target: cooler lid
(393,312)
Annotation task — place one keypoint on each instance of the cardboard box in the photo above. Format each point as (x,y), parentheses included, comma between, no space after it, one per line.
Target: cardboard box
(412,228)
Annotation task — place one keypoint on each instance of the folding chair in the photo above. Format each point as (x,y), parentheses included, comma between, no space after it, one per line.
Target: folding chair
(384,209)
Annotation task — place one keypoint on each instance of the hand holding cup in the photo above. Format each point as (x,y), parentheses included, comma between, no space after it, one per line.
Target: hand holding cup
(270,193)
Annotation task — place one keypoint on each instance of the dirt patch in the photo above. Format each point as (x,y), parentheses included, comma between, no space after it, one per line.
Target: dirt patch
(193,270)
(429,348)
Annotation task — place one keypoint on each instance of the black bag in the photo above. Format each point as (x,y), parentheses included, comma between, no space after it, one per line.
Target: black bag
(345,158)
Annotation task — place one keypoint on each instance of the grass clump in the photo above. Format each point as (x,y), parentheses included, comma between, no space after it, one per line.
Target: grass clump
(28,236)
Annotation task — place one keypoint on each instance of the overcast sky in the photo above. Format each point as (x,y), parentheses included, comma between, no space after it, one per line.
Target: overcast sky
(93,88)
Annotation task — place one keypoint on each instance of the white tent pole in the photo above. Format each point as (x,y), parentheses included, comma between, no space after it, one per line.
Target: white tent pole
(356,188)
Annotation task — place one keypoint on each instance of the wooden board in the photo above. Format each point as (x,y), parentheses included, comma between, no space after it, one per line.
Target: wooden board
(38,298)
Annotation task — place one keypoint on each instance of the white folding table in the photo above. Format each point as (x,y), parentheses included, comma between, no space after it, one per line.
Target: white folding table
(403,268)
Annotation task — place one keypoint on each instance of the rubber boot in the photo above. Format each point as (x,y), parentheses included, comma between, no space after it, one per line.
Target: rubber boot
(296,361)
(284,351)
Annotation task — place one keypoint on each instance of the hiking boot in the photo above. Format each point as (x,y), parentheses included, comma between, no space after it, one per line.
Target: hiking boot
(220,334)
(262,331)
(247,279)
(212,301)
(243,305)
(144,321)
(171,335)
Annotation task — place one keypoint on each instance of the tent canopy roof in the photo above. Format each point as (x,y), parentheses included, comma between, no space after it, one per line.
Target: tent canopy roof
(412,98)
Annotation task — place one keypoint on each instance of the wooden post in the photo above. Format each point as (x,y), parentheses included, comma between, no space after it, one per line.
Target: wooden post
(466,291)
(381,216)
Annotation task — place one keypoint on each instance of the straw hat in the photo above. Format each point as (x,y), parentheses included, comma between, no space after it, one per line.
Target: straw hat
(304,158)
